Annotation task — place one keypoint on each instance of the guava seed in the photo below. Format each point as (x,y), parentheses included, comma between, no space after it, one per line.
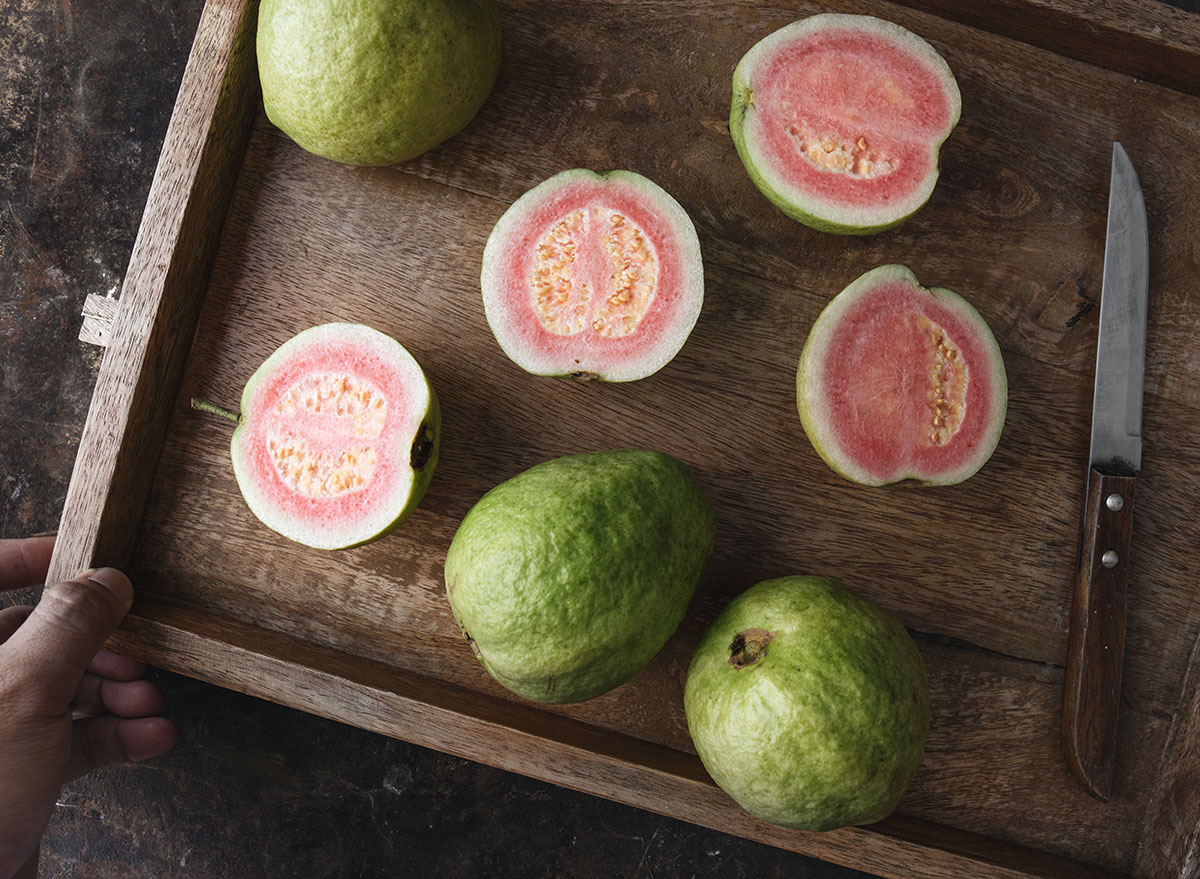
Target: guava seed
(830,151)
(559,285)
(947,384)
(349,407)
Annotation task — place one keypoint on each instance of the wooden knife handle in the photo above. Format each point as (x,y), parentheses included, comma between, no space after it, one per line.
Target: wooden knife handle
(1096,640)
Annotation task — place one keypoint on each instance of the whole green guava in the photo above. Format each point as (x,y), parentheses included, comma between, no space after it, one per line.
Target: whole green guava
(808,704)
(375,82)
(569,577)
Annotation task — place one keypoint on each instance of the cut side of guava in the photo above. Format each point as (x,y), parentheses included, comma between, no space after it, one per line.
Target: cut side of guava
(901,382)
(839,120)
(595,276)
(338,437)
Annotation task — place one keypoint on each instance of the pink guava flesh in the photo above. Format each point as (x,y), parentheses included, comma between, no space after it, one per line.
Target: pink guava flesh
(299,430)
(849,116)
(902,382)
(839,119)
(596,276)
(331,424)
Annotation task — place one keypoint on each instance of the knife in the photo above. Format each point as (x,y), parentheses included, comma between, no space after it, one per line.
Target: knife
(1096,641)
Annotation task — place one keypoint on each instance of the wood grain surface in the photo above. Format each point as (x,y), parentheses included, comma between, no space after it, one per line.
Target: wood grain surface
(1170,844)
(981,572)
(1150,41)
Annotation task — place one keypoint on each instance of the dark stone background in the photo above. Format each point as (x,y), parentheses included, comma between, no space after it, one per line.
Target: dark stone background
(253,789)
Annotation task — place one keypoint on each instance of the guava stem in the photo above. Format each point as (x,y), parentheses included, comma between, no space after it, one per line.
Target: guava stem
(214,409)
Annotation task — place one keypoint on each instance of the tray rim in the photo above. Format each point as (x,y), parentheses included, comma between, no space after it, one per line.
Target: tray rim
(181,227)
(521,738)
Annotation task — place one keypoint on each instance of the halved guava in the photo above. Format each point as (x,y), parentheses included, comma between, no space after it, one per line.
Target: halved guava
(839,119)
(899,381)
(594,276)
(338,437)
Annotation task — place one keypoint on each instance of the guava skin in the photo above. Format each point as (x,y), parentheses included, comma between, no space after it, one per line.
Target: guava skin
(569,577)
(824,726)
(374,82)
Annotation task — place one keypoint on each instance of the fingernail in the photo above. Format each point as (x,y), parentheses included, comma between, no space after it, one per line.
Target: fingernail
(114,581)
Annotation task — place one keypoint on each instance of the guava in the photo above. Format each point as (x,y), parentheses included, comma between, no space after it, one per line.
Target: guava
(808,704)
(839,120)
(569,577)
(901,382)
(594,276)
(337,438)
(375,82)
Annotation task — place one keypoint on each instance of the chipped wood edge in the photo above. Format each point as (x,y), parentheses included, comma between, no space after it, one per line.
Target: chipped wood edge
(148,342)
(99,315)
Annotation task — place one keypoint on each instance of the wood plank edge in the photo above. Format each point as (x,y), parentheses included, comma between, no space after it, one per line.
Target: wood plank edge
(1170,838)
(526,740)
(1153,41)
(148,343)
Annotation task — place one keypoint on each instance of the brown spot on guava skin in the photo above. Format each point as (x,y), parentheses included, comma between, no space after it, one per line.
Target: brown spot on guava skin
(584,376)
(749,646)
(422,447)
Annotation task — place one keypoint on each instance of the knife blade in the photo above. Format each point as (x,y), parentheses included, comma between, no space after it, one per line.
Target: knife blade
(1096,640)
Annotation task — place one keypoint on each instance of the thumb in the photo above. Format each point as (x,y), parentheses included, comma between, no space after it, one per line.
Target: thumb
(67,628)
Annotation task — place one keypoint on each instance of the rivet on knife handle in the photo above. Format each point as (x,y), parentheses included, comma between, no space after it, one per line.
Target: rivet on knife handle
(1096,645)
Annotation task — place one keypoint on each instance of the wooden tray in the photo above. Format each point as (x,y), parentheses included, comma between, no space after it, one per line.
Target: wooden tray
(247,240)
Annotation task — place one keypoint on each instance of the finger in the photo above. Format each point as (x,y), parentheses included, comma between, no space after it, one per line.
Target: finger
(11,619)
(24,562)
(51,650)
(119,668)
(97,742)
(97,695)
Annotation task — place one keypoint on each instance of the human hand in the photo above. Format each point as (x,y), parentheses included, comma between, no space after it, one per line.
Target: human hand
(66,706)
